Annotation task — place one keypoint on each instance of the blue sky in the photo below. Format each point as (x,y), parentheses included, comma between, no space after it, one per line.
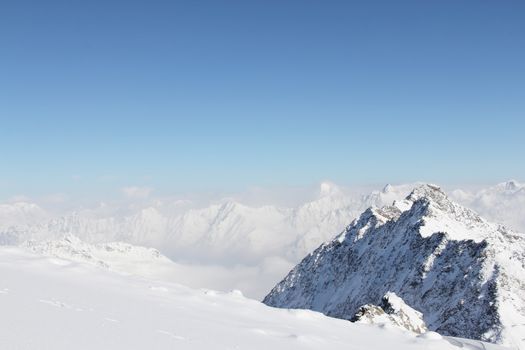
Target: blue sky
(224,95)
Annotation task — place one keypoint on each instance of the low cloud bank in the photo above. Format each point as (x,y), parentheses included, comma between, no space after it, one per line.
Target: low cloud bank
(241,242)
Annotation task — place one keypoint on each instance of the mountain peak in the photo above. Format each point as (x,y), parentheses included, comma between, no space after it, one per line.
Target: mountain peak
(507,187)
(428,191)
(388,188)
(460,271)
(511,185)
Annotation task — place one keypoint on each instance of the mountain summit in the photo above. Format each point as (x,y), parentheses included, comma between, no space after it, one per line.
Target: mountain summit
(464,274)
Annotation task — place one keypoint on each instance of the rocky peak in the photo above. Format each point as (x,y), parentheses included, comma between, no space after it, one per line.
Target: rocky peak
(432,196)
(511,186)
(388,188)
(428,192)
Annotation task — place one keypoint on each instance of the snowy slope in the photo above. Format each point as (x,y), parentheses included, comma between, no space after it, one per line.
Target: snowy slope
(115,256)
(463,273)
(129,259)
(50,303)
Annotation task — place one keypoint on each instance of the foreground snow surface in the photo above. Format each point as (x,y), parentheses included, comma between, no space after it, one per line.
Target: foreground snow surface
(53,303)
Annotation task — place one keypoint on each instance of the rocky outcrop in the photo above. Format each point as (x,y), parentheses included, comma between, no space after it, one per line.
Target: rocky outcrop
(391,311)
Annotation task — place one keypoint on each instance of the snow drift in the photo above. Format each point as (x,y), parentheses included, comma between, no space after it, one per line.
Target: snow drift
(61,304)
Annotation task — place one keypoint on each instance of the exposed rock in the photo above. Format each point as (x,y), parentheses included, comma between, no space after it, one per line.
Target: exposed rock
(392,311)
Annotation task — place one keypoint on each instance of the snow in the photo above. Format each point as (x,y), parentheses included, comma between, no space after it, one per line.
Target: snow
(66,304)
(148,262)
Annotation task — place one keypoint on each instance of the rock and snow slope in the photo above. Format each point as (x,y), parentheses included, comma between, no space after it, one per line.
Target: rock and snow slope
(466,275)
(59,304)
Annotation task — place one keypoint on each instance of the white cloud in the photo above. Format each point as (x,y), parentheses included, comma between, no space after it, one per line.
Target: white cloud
(254,281)
(503,203)
(137,192)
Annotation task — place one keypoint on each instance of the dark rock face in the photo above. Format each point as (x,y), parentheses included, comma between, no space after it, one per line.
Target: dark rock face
(461,272)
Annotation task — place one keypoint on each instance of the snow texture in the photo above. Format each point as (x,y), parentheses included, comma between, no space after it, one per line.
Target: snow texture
(61,304)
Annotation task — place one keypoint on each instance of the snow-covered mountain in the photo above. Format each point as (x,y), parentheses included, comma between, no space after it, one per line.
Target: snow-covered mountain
(464,274)
(227,229)
(60,304)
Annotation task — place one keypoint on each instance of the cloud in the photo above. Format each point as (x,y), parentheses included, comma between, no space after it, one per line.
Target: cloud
(255,281)
(503,203)
(136,192)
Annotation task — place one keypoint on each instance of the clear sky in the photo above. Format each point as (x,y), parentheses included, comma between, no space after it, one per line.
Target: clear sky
(224,95)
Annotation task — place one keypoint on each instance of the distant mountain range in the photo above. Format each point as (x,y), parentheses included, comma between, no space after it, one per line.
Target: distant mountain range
(266,239)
